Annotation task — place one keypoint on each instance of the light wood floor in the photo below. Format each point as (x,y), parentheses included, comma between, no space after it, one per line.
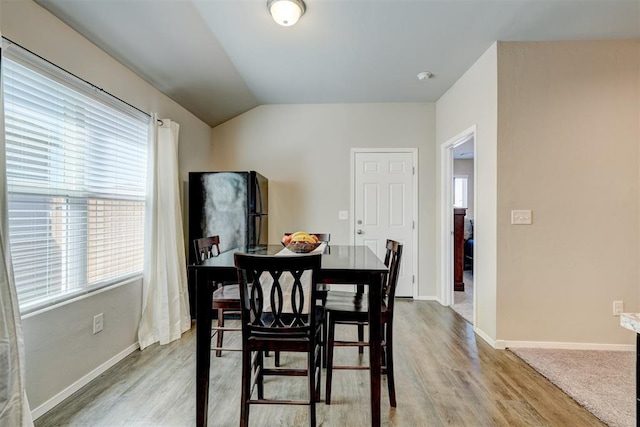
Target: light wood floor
(445,375)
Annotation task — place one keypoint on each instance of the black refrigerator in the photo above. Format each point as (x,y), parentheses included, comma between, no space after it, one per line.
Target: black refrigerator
(232,205)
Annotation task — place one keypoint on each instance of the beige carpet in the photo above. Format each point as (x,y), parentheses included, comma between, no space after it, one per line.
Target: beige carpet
(601,381)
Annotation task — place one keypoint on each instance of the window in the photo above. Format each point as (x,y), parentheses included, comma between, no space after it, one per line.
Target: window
(460,191)
(76,178)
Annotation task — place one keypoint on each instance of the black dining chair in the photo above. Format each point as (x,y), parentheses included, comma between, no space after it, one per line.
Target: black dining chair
(226,297)
(352,308)
(279,313)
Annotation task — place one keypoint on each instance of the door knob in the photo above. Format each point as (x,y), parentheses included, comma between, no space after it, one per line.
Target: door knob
(359,232)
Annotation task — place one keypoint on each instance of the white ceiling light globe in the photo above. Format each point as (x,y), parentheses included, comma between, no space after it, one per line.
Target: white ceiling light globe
(286,12)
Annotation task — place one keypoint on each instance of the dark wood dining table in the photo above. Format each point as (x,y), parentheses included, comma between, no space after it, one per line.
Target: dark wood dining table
(340,264)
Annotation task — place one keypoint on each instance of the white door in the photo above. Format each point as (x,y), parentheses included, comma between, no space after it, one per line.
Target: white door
(384,203)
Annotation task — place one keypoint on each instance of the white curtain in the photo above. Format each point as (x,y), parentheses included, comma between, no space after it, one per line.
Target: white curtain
(14,406)
(165,311)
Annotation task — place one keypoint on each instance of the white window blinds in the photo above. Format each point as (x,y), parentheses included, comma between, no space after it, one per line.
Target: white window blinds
(76,177)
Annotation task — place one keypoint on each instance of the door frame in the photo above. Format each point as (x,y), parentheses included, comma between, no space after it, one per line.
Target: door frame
(352,203)
(445,287)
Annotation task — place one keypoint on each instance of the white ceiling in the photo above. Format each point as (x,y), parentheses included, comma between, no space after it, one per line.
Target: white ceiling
(220,58)
(464,151)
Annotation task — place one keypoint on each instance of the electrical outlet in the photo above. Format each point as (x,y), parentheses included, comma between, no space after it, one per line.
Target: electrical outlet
(98,323)
(618,308)
(342,215)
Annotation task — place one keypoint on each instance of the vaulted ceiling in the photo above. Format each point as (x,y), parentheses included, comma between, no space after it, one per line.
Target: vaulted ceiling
(220,58)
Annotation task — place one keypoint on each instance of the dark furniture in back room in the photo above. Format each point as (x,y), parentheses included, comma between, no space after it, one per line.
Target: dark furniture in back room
(458,248)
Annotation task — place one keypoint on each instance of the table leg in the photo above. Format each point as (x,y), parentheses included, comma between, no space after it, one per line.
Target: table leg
(203,346)
(375,290)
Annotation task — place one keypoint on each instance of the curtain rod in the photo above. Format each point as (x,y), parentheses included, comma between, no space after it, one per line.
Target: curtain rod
(80,78)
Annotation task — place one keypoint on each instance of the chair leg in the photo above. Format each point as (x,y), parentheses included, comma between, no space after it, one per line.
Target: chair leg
(276,359)
(260,377)
(311,374)
(389,356)
(329,344)
(220,331)
(318,366)
(246,388)
(325,339)
(361,337)
(318,382)
(384,340)
(359,293)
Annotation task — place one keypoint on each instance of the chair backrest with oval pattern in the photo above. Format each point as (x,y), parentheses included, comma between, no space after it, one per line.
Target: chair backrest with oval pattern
(276,292)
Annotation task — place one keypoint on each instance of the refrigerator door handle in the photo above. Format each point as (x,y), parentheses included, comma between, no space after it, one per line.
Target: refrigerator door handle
(258,195)
(258,229)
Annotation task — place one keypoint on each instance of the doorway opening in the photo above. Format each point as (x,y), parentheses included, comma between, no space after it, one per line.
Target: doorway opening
(458,171)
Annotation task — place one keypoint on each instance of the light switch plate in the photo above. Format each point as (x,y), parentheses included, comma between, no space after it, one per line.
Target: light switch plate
(343,215)
(521,217)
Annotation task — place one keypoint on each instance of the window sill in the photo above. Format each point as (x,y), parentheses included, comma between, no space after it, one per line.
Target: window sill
(81,297)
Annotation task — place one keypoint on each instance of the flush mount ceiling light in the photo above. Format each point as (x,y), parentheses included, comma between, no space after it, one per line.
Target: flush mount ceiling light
(286,12)
(425,75)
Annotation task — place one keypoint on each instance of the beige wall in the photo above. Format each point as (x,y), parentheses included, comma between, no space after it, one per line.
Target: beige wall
(59,345)
(568,140)
(567,148)
(304,151)
(472,101)
(465,168)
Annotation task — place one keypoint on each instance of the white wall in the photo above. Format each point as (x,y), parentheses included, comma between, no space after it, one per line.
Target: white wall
(304,151)
(59,345)
(472,100)
(568,141)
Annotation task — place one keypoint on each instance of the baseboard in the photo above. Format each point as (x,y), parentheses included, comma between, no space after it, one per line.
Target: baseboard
(55,400)
(504,344)
(566,345)
(427,298)
(493,343)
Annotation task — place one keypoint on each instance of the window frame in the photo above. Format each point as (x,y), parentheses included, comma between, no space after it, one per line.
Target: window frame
(79,252)
(464,179)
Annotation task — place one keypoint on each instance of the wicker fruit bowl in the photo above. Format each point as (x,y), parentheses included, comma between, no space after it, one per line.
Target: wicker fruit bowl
(302,247)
